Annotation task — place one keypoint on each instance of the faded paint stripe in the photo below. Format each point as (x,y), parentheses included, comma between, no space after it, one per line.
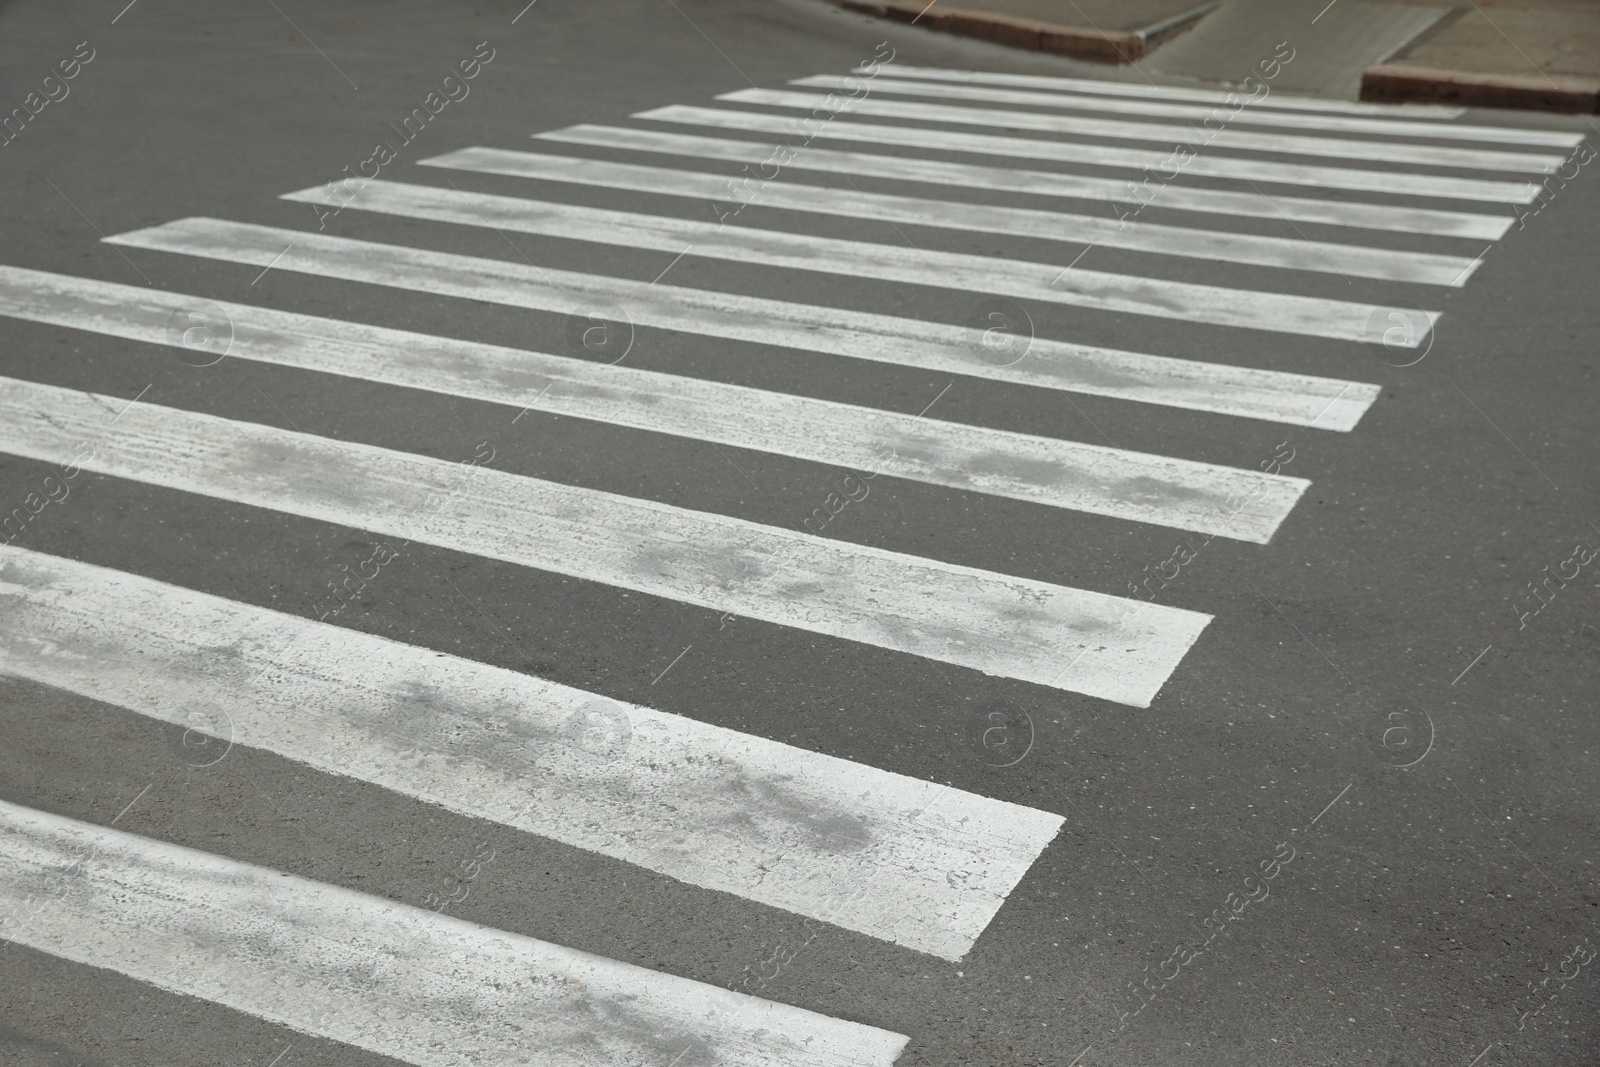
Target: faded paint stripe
(1296,399)
(1119,649)
(1241,109)
(1296,253)
(921,864)
(1066,474)
(389,978)
(1163,92)
(970,176)
(1096,290)
(1221,136)
(824,125)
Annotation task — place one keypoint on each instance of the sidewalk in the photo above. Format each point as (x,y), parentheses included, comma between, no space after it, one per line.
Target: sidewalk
(1539,54)
(1100,31)
(1543,55)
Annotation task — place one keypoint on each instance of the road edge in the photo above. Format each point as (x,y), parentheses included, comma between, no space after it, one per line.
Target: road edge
(1075,42)
(1393,83)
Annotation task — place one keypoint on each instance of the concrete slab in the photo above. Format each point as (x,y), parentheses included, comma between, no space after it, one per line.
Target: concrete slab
(1327,45)
(1130,15)
(1551,37)
(1097,32)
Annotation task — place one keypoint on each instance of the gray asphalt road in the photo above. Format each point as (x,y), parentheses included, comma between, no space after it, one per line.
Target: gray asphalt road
(1375,691)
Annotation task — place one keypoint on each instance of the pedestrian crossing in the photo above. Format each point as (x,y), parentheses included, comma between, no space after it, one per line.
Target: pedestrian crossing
(773,324)
(994,623)
(400,981)
(1178,493)
(1156,161)
(1423,268)
(1256,205)
(919,864)
(1096,87)
(1243,112)
(914,864)
(1048,282)
(1163,133)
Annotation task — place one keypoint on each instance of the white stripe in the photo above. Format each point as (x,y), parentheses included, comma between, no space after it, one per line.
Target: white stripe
(1297,399)
(1277,143)
(923,865)
(1203,164)
(1165,92)
(1042,183)
(1297,253)
(393,979)
(1122,650)
(1098,290)
(1238,110)
(1067,474)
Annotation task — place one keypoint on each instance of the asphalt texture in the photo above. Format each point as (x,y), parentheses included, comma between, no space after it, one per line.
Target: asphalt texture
(1439,874)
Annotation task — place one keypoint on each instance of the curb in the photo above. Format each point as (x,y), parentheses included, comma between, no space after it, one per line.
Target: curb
(1096,46)
(1394,83)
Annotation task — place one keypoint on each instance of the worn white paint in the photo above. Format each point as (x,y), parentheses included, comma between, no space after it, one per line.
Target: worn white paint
(1118,649)
(1048,282)
(921,864)
(1226,136)
(826,125)
(400,981)
(1103,231)
(767,325)
(1065,474)
(1240,109)
(775,159)
(1163,92)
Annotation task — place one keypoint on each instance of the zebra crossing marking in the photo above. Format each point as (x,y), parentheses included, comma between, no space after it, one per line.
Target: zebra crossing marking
(1206,165)
(1276,143)
(995,623)
(1431,221)
(397,980)
(1243,111)
(1278,396)
(1296,253)
(928,867)
(1107,87)
(1056,473)
(1096,290)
